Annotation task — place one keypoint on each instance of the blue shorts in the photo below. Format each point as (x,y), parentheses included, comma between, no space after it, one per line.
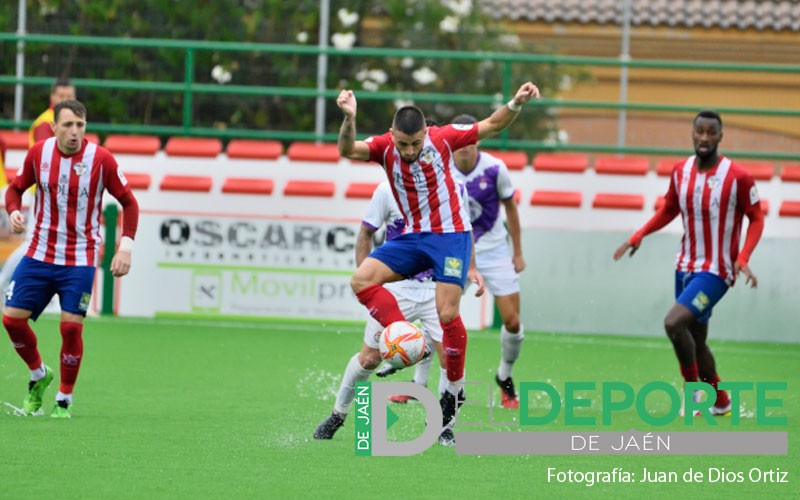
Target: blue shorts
(699,292)
(447,254)
(34,283)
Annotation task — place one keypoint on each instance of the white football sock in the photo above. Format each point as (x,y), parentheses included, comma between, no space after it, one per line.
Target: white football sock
(352,374)
(39,373)
(442,381)
(510,345)
(453,387)
(64,397)
(422,369)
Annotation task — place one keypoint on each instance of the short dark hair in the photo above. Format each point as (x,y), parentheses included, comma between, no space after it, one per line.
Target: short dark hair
(409,120)
(464,120)
(709,113)
(61,82)
(75,106)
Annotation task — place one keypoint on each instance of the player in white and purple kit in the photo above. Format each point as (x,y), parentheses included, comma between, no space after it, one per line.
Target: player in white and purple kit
(416,298)
(489,186)
(416,159)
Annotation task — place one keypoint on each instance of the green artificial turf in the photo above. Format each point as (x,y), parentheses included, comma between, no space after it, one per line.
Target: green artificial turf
(171,408)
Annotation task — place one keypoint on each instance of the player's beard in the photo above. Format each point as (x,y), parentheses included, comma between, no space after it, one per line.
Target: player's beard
(707,154)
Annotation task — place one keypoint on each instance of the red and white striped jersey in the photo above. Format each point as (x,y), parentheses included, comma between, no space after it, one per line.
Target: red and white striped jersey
(69,194)
(711,204)
(425,190)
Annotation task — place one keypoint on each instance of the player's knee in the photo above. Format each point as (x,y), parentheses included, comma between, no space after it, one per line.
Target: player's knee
(10,322)
(512,324)
(358,283)
(672,325)
(369,360)
(447,314)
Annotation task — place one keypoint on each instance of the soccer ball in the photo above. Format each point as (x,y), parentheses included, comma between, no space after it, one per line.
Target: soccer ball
(402,344)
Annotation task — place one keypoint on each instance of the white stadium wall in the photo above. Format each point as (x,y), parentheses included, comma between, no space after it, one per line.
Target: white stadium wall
(201,251)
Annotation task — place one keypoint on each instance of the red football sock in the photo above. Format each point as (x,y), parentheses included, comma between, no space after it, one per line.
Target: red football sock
(690,372)
(454,339)
(24,340)
(71,354)
(722,396)
(381,304)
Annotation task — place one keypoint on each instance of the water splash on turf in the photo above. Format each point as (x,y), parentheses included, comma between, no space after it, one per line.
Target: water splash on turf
(12,410)
(318,384)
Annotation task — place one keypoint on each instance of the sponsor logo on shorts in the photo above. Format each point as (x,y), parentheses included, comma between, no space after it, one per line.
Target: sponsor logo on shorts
(453,266)
(700,301)
(83,305)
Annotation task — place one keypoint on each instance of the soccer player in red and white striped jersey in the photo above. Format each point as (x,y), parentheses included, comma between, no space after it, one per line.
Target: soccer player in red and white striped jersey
(416,159)
(712,194)
(71,175)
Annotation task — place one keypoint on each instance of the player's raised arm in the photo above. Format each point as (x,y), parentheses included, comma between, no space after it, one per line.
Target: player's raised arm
(503,116)
(349,147)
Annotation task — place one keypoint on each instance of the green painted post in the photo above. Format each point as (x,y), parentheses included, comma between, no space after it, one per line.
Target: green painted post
(188,78)
(110,215)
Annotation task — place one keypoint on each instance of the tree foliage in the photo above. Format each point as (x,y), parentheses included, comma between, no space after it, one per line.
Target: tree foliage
(406,24)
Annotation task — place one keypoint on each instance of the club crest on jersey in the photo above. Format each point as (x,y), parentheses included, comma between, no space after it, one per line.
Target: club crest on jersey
(427,155)
(80,168)
(45,167)
(483,184)
(753,195)
(713,182)
(453,267)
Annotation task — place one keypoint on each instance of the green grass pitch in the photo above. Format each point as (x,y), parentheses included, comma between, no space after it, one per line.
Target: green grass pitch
(202,409)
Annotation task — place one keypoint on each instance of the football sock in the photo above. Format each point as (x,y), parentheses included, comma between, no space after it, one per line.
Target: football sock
(352,374)
(689,372)
(722,396)
(421,371)
(381,304)
(71,354)
(24,341)
(510,345)
(64,397)
(454,340)
(455,386)
(442,381)
(39,373)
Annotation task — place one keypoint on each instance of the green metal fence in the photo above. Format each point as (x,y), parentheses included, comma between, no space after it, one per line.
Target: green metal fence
(188,88)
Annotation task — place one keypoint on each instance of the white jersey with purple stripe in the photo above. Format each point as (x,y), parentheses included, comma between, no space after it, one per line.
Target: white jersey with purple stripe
(488,183)
(383,210)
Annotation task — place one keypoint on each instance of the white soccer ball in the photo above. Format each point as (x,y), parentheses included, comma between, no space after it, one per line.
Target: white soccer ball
(402,344)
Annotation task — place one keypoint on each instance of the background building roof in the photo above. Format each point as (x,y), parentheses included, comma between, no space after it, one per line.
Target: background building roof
(775,15)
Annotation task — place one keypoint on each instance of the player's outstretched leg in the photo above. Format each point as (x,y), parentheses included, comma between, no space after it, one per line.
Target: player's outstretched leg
(510,346)
(354,372)
(26,345)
